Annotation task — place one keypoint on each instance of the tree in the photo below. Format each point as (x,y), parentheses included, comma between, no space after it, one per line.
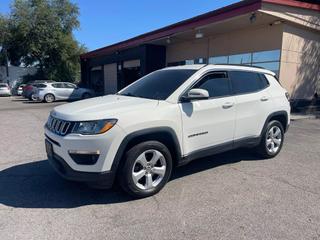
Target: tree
(41,34)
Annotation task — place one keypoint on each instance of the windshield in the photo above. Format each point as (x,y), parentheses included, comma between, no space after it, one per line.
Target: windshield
(158,85)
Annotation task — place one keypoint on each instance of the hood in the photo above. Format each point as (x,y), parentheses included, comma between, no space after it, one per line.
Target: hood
(110,106)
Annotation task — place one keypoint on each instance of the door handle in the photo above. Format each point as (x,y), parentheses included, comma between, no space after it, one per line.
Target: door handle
(227,105)
(264,98)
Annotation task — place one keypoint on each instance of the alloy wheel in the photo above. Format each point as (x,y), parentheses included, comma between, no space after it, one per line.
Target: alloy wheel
(149,169)
(49,98)
(274,139)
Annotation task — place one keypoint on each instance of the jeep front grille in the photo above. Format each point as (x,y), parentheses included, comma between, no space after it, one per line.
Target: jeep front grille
(58,126)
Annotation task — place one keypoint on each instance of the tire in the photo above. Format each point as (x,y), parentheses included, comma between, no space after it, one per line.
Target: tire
(153,174)
(86,95)
(33,98)
(270,146)
(49,98)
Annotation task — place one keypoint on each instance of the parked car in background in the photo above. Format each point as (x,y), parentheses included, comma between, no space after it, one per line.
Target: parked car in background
(50,92)
(20,89)
(30,89)
(5,89)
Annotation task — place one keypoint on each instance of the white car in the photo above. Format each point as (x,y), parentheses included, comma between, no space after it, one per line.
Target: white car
(50,92)
(5,89)
(166,119)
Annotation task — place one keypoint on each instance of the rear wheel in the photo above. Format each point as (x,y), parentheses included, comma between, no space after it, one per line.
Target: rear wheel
(33,97)
(271,140)
(147,168)
(49,98)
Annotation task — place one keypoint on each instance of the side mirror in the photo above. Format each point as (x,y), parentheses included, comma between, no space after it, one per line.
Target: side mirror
(196,94)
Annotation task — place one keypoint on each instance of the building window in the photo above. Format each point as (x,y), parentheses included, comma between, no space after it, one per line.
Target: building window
(188,62)
(240,59)
(267,59)
(266,56)
(218,60)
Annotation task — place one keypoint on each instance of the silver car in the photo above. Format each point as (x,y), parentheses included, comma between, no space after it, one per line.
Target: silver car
(50,92)
(5,89)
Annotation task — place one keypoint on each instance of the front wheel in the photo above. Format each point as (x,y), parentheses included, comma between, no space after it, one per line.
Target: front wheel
(147,168)
(271,140)
(49,98)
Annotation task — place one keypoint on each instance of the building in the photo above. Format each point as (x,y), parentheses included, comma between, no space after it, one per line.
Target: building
(280,35)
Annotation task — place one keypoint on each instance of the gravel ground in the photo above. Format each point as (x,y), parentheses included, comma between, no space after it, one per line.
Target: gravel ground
(228,196)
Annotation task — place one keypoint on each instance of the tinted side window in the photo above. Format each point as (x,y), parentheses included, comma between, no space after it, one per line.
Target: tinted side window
(245,82)
(57,85)
(40,85)
(264,81)
(69,85)
(217,84)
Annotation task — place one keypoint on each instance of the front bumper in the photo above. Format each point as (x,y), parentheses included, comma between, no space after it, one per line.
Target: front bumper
(65,171)
(103,170)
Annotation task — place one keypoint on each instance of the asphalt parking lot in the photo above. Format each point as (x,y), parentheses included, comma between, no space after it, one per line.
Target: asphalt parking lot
(229,196)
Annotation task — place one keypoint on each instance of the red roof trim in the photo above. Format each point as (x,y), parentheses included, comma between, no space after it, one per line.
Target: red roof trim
(293,3)
(233,10)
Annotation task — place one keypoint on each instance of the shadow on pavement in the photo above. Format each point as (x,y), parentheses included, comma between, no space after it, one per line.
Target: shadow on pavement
(36,185)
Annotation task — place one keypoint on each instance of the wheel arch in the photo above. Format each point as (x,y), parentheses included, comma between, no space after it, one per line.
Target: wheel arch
(50,93)
(281,116)
(165,135)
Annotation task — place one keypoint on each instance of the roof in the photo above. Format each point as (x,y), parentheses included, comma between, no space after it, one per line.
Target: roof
(220,14)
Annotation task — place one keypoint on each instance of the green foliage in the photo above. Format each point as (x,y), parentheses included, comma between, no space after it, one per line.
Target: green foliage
(40,34)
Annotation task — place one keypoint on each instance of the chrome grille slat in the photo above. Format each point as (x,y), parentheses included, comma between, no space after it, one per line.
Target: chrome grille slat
(58,126)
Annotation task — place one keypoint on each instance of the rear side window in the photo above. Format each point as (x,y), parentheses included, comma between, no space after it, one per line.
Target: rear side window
(217,84)
(245,82)
(264,81)
(69,85)
(40,85)
(58,85)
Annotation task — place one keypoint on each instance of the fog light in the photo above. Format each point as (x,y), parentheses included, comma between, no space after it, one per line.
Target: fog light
(84,157)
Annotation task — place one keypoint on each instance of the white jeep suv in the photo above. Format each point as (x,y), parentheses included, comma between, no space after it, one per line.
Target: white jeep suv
(167,119)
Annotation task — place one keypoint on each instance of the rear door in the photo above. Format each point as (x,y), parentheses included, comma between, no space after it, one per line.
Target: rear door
(70,91)
(209,122)
(253,102)
(58,91)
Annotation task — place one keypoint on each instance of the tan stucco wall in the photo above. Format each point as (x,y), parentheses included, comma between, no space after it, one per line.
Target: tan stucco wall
(300,61)
(246,40)
(303,17)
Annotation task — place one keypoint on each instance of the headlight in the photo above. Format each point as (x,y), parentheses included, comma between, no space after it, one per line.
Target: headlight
(94,127)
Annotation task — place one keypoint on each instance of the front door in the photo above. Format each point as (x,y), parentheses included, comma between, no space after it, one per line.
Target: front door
(210,122)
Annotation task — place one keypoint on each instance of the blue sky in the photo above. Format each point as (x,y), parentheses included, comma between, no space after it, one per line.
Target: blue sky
(104,22)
